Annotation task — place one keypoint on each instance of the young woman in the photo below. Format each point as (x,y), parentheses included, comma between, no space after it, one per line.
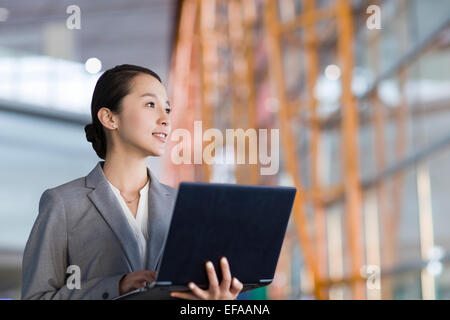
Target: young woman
(100,236)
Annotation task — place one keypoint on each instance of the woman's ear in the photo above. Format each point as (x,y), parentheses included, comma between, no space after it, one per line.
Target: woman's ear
(106,117)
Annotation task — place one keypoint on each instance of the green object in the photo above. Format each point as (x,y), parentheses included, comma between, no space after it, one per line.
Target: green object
(259,293)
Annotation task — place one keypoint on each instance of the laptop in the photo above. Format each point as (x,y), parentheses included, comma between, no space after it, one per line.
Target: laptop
(245,223)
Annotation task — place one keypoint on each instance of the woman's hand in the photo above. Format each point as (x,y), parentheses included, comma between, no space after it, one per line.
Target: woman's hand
(136,280)
(228,289)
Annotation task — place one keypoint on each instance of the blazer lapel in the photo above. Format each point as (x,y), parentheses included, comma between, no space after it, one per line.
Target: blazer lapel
(106,203)
(159,216)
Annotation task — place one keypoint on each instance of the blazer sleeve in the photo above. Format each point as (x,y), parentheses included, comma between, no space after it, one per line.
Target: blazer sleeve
(44,263)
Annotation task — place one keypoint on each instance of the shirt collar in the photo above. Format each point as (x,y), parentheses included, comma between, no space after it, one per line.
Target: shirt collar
(142,191)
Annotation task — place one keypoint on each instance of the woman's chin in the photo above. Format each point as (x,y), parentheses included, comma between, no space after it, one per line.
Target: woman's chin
(155,152)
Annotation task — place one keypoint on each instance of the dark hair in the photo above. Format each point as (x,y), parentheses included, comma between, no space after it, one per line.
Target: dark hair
(111,88)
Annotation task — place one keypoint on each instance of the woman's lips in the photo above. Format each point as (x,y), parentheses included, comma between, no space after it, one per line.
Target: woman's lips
(160,136)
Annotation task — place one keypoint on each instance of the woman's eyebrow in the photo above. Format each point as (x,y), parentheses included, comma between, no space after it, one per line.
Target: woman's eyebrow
(153,95)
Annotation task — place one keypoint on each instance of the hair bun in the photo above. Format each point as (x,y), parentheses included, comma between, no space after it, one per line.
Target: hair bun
(97,141)
(90,134)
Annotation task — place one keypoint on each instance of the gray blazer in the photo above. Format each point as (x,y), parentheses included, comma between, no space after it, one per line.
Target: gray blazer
(81,223)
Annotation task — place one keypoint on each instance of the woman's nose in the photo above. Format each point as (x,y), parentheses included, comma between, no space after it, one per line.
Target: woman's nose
(164,118)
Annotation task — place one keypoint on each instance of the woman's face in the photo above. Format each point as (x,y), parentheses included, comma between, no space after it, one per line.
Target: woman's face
(144,122)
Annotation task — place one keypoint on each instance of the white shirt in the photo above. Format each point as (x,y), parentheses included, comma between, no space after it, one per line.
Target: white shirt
(138,224)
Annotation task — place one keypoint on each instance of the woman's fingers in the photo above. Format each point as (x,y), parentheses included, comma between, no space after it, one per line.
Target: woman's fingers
(226,274)
(150,275)
(229,288)
(202,294)
(212,277)
(143,276)
(195,294)
(184,295)
(236,286)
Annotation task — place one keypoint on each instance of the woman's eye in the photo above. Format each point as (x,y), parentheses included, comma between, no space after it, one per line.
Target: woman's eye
(152,104)
(168,110)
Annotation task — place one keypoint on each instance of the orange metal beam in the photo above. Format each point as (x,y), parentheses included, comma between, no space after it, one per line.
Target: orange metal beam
(290,157)
(249,8)
(349,128)
(312,71)
(180,82)
(208,68)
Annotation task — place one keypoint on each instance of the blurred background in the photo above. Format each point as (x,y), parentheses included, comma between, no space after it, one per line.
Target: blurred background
(359,89)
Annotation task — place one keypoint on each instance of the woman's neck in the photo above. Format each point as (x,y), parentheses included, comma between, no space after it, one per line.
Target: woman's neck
(127,175)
